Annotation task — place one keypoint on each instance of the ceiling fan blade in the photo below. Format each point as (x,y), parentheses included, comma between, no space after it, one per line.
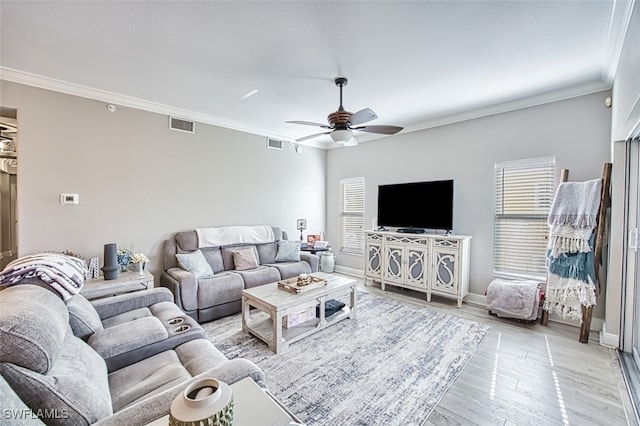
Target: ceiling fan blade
(362,116)
(310,123)
(311,136)
(385,130)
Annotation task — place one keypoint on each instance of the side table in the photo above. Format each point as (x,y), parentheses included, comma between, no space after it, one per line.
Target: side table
(313,250)
(126,282)
(252,406)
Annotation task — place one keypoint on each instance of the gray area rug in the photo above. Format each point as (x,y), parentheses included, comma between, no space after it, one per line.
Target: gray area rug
(391,366)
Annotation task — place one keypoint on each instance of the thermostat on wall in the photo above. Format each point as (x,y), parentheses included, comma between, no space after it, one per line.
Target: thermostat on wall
(69,199)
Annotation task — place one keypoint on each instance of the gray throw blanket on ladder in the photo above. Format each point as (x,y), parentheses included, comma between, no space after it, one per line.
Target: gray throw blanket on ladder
(571,282)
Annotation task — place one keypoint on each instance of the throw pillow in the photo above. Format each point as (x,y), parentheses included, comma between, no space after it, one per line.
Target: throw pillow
(288,251)
(245,259)
(195,263)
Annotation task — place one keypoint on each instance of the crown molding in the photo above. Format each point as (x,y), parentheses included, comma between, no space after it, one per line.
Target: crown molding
(21,77)
(619,22)
(499,108)
(65,87)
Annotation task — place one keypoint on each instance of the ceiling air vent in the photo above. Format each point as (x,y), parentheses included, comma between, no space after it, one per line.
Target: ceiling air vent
(274,144)
(181,125)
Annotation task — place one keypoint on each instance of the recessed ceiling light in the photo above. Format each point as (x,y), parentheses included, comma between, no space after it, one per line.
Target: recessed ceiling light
(251,93)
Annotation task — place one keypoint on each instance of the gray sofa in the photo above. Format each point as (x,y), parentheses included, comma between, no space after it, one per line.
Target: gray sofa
(63,380)
(206,299)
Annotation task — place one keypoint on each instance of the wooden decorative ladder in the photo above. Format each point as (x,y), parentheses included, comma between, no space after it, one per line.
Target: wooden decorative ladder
(605,203)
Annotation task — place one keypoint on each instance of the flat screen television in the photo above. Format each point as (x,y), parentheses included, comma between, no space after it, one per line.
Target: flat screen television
(416,206)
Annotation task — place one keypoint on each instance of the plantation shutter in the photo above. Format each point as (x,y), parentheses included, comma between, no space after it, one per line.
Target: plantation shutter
(352,216)
(524,192)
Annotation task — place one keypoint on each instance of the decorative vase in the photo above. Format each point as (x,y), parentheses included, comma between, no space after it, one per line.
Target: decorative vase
(204,402)
(138,267)
(123,268)
(110,268)
(327,261)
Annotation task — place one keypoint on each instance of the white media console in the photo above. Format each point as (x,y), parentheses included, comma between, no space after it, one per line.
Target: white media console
(430,263)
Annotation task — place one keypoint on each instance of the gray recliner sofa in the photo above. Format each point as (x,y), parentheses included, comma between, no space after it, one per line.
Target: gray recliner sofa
(60,378)
(130,327)
(207,299)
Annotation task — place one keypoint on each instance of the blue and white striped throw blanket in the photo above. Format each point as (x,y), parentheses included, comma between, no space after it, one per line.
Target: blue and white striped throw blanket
(63,273)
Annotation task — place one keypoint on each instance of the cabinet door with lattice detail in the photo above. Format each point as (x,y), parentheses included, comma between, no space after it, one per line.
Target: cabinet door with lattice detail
(393,263)
(414,267)
(374,260)
(445,271)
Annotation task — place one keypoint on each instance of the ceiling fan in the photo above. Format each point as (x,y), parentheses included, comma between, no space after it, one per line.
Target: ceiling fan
(341,123)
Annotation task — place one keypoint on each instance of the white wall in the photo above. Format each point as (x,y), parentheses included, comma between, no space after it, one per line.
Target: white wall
(139,182)
(625,118)
(575,131)
(626,87)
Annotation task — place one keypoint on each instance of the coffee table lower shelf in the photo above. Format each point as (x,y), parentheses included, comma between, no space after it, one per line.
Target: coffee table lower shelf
(272,304)
(263,328)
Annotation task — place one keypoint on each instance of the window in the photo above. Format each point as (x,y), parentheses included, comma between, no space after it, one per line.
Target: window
(524,193)
(352,216)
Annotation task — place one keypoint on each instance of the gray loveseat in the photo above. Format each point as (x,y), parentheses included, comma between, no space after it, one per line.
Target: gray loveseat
(49,372)
(220,295)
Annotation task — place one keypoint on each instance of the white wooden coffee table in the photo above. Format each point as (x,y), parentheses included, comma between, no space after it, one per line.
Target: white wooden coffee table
(277,303)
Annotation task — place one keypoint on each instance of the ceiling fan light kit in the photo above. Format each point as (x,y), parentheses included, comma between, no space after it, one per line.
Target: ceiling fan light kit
(341,122)
(341,135)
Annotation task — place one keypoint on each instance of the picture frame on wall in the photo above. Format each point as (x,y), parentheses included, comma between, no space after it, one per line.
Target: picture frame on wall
(301,224)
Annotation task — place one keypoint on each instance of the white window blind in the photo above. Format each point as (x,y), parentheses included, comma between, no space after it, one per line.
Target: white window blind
(352,216)
(524,192)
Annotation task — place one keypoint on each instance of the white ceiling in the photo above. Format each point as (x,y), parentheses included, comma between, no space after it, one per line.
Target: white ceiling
(415,63)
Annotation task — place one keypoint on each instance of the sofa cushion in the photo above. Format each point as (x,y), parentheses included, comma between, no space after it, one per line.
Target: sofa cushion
(292,269)
(227,254)
(214,258)
(259,276)
(83,318)
(223,288)
(288,251)
(76,386)
(33,324)
(127,337)
(126,317)
(163,371)
(195,263)
(267,252)
(187,241)
(244,259)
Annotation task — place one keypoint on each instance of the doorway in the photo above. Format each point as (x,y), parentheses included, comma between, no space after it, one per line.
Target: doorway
(8,185)
(630,306)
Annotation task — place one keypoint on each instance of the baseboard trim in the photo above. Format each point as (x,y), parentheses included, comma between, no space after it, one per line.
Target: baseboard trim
(609,339)
(357,273)
(597,324)
(477,299)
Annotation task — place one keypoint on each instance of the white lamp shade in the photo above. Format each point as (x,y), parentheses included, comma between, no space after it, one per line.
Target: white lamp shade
(351,142)
(341,135)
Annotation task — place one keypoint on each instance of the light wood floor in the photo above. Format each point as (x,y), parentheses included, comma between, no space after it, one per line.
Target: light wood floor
(528,374)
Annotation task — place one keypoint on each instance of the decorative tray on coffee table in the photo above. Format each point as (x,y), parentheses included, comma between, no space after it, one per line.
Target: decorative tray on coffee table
(300,285)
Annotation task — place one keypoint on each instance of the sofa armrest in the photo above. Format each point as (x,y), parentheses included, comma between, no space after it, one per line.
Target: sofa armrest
(312,259)
(132,335)
(184,286)
(115,305)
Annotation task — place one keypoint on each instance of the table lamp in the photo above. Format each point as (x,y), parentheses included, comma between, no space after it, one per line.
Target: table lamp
(301,225)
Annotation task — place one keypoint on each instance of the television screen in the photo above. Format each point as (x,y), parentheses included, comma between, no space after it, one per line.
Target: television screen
(416,205)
